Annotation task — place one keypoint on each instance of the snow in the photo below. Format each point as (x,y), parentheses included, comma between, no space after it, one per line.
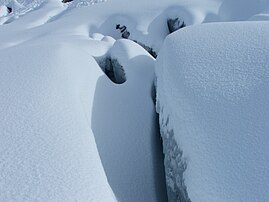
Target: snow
(231,10)
(3,11)
(71,133)
(262,16)
(55,144)
(125,129)
(212,92)
(48,151)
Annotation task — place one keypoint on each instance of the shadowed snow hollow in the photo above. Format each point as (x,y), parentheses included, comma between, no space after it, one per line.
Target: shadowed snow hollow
(212,94)
(60,113)
(125,128)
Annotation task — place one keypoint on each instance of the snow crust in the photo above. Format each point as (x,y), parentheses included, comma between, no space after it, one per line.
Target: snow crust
(212,92)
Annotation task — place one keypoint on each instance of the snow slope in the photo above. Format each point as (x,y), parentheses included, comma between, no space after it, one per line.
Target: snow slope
(124,123)
(48,151)
(67,131)
(53,140)
(212,92)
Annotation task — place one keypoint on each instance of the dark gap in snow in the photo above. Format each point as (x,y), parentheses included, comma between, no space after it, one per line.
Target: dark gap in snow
(154,96)
(175,24)
(123,29)
(66,1)
(112,68)
(148,49)
(159,140)
(9,9)
(125,34)
(158,144)
(174,162)
(122,150)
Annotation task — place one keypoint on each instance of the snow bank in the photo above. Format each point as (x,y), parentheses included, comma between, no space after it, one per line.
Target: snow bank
(61,114)
(231,10)
(125,127)
(262,16)
(44,11)
(47,148)
(61,140)
(3,11)
(212,96)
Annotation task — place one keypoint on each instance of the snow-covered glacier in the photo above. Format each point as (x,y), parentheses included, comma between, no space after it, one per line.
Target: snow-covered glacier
(212,97)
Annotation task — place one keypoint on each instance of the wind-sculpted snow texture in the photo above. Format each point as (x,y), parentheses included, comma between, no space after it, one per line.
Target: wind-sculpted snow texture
(58,142)
(175,164)
(69,133)
(128,140)
(52,9)
(212,94)
(48,151)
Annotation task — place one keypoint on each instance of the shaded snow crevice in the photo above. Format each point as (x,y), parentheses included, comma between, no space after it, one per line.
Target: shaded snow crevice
(112,68)
(174,162)
(148,49)
(126,34)
(175,24)
(137,173)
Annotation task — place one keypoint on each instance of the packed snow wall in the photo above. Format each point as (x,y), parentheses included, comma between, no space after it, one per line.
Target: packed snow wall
(212,97)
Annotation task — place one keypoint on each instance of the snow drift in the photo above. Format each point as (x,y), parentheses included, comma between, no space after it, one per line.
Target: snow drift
(64,124)
(55,132)
(212,96)
(47,147)
(125,127)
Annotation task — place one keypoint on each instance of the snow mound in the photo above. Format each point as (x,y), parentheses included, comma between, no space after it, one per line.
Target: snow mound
(81,3)
(69,133)
(125,127)
(47,147)
(212,96)
(66,124)
(240,10)
(43,10)
(3,11)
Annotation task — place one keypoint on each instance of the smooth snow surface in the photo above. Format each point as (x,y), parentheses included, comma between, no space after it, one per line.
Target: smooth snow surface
(48,151)
(68,133)
(212,91)
(124,125)
(3,11)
